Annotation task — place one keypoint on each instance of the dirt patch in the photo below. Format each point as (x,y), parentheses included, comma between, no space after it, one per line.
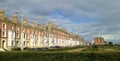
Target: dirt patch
(75,50)
(109,49)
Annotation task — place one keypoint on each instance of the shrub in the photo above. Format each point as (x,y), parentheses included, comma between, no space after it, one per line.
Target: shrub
(16,49)
(95,48)
(26,48)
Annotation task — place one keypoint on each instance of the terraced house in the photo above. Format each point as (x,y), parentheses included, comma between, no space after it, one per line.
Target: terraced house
(14,33)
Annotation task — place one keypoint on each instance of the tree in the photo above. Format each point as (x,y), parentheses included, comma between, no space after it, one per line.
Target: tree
(105,42)
(110,44)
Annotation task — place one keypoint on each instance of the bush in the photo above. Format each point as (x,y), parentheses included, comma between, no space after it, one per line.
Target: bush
(16,49)
(26,48)
(95,48)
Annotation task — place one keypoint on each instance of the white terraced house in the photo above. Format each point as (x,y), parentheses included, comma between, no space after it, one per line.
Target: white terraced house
(14,33)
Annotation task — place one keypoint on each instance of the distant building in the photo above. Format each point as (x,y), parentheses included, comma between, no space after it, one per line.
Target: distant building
(99,41)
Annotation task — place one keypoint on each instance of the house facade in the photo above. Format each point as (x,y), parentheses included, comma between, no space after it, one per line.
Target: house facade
(14,33)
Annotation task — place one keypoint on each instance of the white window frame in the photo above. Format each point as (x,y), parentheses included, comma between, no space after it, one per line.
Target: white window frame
(18,28)
(24,43)
(4,26)
(24,35)
(4,33)
(17,34)
(11,27)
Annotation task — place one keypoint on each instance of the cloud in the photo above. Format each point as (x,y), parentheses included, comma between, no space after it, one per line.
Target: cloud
(90,18)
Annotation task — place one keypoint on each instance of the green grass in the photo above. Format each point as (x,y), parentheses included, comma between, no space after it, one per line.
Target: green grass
(101,49)
(38,56)
(87,54)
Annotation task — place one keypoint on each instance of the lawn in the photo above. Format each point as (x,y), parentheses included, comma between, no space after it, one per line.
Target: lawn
(37,56)
(86,54)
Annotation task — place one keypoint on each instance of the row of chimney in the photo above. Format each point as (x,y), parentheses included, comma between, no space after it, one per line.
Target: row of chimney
(15,20)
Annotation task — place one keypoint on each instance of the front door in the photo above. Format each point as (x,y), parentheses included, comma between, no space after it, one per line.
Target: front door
(3,44)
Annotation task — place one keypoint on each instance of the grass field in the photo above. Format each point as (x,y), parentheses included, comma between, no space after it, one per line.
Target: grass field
(67,54)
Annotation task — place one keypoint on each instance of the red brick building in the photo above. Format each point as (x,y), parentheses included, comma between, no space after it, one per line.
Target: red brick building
(99,41)
(13,33)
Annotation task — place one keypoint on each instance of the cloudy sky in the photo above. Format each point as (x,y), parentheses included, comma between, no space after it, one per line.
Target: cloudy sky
(88,18)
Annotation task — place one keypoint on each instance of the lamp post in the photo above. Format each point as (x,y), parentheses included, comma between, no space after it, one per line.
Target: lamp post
(22,34)
(15,32)
(21,14)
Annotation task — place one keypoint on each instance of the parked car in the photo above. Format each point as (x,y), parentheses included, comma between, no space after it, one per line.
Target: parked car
(38,49)
(57,47)
(44,48)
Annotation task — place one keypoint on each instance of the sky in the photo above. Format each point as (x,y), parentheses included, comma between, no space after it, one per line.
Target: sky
(87,18)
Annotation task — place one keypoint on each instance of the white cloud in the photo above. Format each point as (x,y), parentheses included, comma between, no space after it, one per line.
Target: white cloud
(93,16)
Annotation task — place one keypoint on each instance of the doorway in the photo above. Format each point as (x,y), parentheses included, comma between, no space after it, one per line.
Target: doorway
(3,44)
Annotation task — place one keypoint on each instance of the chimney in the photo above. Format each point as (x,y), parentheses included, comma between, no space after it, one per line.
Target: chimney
(33,24)
(24,21)
(43,27)
(64,30)
(49,23)
(55,26)
(1,14)
(39,26)
(14,18)
(49,27)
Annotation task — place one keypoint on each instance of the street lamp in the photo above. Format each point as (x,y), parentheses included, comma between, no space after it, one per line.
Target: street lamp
(21,27)
(15,43)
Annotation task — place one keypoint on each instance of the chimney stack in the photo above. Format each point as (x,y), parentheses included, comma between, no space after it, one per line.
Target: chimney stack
(39,26)
(14,18)
(49,23)
(49,26)
(33,24)
(55,26)
(24,21)
(1,14)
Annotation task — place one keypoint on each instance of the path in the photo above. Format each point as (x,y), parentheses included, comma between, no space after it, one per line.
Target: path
(75,50)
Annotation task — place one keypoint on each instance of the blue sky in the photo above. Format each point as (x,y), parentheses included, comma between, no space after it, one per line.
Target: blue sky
(88,18)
